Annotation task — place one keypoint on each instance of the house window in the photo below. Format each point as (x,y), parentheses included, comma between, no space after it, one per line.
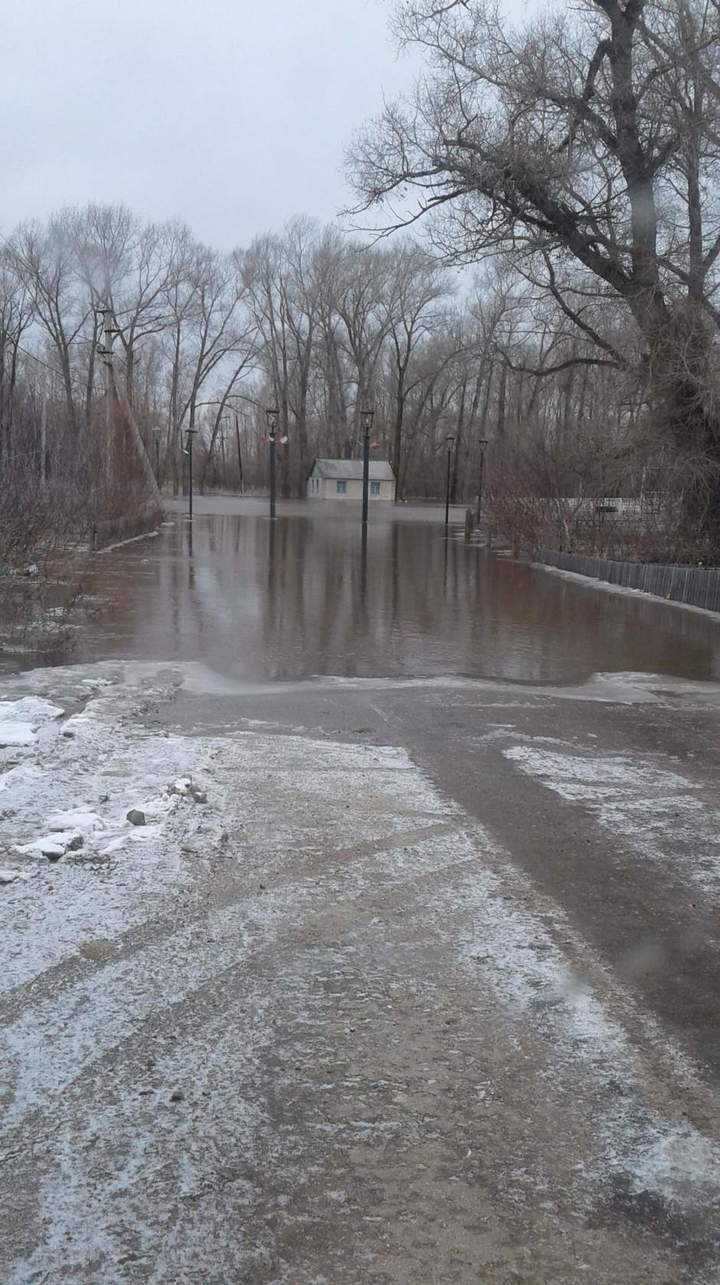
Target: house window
(374,488)
(341,487)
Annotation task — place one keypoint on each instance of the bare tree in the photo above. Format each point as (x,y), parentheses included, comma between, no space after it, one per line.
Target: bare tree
(417,287)
(15,318)
(583,142)
(44,260)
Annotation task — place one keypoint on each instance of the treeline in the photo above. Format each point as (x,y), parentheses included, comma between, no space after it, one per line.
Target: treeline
(310,321)
(579,147)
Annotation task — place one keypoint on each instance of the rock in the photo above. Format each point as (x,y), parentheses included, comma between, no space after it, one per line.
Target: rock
(200,796)
(53,851)
(136,817)
(182,787)
(53,846)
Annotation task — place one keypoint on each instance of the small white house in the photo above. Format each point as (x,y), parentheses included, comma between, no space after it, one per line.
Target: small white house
(342,480)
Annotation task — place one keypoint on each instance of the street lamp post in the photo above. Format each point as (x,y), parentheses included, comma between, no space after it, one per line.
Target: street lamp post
(483,445)
(450,443)
(157,433)
(367,415)
(272,416)
(189,452)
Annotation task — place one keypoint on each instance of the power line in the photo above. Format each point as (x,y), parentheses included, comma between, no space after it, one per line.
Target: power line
(53,369)
(33,356)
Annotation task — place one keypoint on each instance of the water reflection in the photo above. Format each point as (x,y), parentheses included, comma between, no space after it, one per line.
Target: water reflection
(306,595)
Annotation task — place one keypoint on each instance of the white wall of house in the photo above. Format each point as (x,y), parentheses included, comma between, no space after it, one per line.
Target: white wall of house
(326,488)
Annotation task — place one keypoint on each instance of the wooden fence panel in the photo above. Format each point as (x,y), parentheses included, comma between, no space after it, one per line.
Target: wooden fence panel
(696,586)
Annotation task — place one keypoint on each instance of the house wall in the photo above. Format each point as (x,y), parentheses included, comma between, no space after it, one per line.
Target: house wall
(353,490)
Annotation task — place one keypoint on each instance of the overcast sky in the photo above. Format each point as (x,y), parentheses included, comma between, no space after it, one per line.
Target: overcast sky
(231,114)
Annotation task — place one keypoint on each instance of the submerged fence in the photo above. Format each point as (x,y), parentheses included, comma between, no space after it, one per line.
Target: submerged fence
(696,586)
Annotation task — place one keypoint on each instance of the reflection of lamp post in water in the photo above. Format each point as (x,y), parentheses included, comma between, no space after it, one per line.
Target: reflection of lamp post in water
(367,416)
(482,444)
(271,415)
(450,443)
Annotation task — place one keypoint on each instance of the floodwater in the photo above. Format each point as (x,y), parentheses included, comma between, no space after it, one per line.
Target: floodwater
(299,597)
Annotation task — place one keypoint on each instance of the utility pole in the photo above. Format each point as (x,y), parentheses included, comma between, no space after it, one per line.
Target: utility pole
(105,349)
(222,452)
(189,453)
(239,452)
(483,445)
(450,442)
(272,417)
(367,415)
(43,431)
(157,434)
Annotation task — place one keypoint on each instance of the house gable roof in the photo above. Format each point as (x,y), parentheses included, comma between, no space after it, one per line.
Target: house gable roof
(352,470)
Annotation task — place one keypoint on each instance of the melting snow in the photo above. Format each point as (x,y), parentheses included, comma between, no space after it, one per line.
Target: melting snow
(16,734)
(654,808)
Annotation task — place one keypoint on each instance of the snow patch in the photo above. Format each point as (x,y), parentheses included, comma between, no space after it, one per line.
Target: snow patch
(15,734)
(84,822)
(658,811)
(9,875)
(52,845)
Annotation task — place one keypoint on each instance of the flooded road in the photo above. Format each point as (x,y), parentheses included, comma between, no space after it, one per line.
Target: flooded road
(300,598)
(410,975)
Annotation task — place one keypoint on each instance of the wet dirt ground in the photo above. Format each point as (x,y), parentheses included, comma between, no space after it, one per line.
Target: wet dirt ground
(428,991)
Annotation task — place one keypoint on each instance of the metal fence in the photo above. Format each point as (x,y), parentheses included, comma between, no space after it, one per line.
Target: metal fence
(696,586)
(114,530)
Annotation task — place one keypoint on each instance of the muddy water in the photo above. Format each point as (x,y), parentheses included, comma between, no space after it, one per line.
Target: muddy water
(301,597)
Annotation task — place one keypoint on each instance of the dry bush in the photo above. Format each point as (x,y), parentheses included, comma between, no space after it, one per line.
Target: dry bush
(626,504)
(38,520)
(43,531)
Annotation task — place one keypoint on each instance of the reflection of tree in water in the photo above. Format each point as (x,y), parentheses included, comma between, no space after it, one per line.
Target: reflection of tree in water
(485,616)
(293,598)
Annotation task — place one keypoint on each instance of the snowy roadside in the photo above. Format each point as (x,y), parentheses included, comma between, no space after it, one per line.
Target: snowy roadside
(71,862)
(78,771)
